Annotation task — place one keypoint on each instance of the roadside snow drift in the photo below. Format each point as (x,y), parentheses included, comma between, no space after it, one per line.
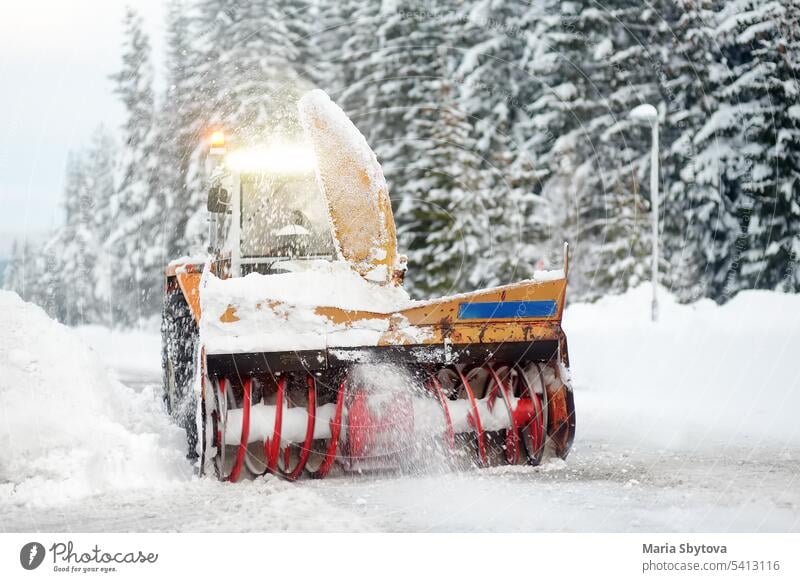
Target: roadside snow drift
(129,353)
(66,429)
(704,377)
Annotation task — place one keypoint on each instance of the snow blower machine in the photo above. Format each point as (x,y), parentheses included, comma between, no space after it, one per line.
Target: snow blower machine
(292,348)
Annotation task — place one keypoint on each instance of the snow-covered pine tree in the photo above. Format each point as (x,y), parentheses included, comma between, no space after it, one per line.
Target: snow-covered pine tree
(424,143)
(782,218)
(597,63)
(354,26)
(493,85)
(206,21)
(54,274)
(76,247)
(552,146)
(762,44)
(64,275)
(334,33)
(635,60)
(300,17)
(50,291)
(99,166)
(557,127)
(181,134)
(443,225)
(249,69)
(700,230)
(495,90)
(137,242)
(396,74)
(13,278)
(746,147)
(20,272)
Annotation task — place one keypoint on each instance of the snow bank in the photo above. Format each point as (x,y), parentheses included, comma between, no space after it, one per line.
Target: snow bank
(129,353)
(66,429)
(703,377)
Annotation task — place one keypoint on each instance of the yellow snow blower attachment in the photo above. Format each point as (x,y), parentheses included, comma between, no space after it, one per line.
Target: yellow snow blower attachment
(294,350)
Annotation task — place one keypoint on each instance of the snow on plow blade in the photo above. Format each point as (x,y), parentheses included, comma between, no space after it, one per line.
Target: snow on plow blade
(309,363)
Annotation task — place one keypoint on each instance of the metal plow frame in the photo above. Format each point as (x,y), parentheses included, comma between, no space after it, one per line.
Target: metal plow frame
(493,335)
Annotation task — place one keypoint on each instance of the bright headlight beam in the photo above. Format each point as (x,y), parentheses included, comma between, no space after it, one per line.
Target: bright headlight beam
(278,158)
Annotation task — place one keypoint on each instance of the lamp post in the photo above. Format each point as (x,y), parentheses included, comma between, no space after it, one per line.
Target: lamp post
(648,114)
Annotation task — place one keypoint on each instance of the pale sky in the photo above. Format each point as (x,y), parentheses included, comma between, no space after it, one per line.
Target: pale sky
(55,59)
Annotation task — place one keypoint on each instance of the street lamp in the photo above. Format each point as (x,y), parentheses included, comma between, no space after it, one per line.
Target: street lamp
(647,114)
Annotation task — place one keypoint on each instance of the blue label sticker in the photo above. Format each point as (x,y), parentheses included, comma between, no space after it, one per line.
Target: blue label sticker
(506,309)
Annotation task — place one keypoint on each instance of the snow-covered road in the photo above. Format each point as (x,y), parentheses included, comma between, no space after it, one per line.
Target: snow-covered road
(589,496)
(601,487)
(692,460)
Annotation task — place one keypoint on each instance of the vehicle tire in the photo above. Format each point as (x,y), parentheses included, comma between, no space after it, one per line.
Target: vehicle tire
(179,344)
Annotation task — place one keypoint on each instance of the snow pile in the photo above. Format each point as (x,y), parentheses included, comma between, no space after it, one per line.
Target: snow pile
(66,429)
(312,283)
(277,312)
(354,186)
(703,377)
(130,353)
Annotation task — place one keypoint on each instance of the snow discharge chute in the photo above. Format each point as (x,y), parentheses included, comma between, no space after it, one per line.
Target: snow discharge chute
(295,350)
(352,182)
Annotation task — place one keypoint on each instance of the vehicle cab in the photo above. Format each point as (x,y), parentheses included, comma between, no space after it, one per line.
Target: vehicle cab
(266,211)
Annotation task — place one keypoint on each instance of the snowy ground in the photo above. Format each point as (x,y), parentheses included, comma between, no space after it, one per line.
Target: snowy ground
(697,431)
